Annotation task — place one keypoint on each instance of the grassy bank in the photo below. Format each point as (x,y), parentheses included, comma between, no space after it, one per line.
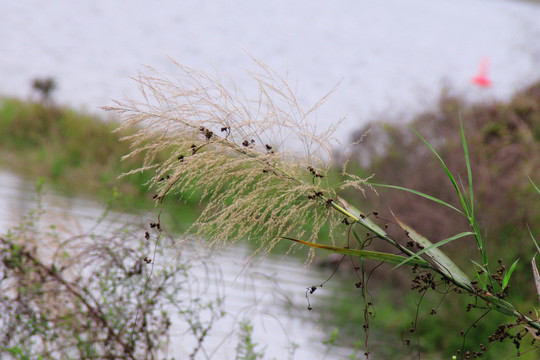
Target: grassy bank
(77,153)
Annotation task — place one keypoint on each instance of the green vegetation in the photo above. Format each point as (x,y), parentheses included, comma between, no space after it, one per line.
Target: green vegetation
(77,153)
(75,150)
(247,349)
(503,141)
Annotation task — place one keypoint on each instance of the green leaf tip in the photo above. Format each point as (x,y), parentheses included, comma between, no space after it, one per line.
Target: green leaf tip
(536,276)
(508,274)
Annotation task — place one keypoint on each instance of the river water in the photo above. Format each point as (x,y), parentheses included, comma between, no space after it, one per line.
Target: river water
(392,57)
(268,292)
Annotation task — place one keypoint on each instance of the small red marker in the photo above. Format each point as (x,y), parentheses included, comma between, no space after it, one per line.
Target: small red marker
(482,79)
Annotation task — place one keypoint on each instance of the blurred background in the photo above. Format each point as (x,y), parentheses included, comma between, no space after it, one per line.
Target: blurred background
(390,57)
(390,64)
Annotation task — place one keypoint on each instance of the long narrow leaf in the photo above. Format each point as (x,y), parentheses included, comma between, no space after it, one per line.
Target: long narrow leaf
(347,209)
(534,185)
(506,277)
(447,171)
(363,219)
(536,276)
(429,249)
(533,239)
(443,262)
(358,240)
(468,162)
(481,274)
(500,305)
(429,197)
(373,255)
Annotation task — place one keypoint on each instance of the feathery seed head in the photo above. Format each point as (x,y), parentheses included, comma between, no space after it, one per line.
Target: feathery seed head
(238,151)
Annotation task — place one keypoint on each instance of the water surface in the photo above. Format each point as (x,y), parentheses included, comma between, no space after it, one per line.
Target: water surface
(391,57)
(269,292)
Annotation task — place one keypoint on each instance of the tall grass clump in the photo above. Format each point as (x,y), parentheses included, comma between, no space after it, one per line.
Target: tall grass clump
(239,153)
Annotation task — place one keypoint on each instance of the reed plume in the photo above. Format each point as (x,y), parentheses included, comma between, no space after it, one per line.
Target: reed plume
(258,162)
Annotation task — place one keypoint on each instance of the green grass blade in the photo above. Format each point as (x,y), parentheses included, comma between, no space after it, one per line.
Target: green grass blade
(448,173)
(347,209)
(534,185)
(468,162)
(533,239)
(358,240)
(469,201)
(506,278)
(429,197)
(361,218)
(481,275)
(443,262)
(536,276)
(428,250)
(483,242)
(373,255)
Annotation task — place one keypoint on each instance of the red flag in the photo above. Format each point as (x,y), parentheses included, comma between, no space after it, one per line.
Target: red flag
(482,78)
